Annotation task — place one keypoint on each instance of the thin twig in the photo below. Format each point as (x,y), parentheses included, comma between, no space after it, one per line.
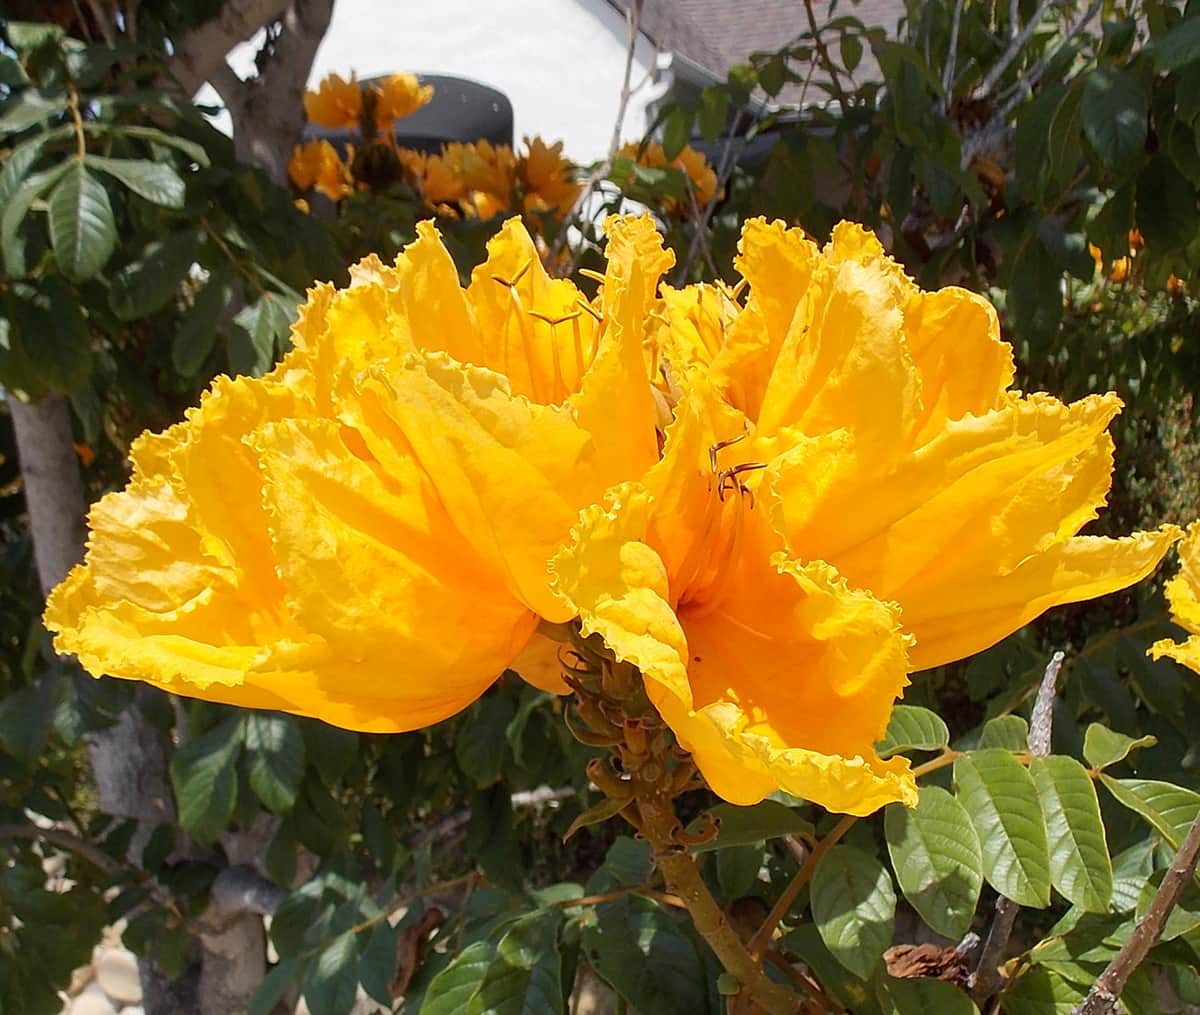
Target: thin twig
(1102,998)
(827,63)
(64,840)
(762,937)
(1014,48)
(987,978)
(1031,78)
(951,56)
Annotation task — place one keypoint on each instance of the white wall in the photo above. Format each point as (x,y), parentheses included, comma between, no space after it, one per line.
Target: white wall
(560,62)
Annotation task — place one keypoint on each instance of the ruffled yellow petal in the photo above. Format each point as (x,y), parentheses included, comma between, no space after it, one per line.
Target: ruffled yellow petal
(1183,593)
(978,521)
(784,683)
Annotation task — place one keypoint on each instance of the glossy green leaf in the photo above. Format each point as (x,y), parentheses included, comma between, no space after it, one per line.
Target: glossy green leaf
(29,107)
(150,282)
(1168,808)
(1184,916)
(937,857)
(912,728)
(1131,868)
(275,753)
(923,996)
(1178,47)
(525,975)
(82,229)
(1007,732)
(999,795)
(452,988)
(1079,863)
(737,869)
(1103,747)
(743,826)
(16,207)
(854,908)
(258,330)
(157,182)
(204,775)
(1038,991)
(1115,111)
(331,982)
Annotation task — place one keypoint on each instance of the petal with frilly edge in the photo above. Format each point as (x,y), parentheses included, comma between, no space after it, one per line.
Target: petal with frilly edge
(1183,593)
(741,722)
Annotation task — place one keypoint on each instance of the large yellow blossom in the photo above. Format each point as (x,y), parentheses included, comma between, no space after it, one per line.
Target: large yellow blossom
(362,535)
(336,104)
(1183,593)
(847,476)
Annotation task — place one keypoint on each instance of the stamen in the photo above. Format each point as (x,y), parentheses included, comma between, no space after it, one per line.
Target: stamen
(583,305)
(740,288)
(713,449)
(595,276)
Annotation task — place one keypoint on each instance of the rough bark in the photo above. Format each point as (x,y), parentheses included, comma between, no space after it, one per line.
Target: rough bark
(202,51)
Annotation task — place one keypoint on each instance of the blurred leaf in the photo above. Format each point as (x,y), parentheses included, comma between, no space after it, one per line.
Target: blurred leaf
(331,749)
(16,207)
(275,752)
(331,983)
(453,988)
(204,775)
(26,36)
(482,738)
(1002,801)
(854,908)
(677,131)
(1115,111)
(492,840)
(923,997)
(25,721)
(852,51)
(1166,206)
(1079,864)
(737,869)
(157,182)
(938,860)
(594,815)
(197,332)
(273,987)
(525,975)
(913,729)
(1103,747)
(147,284)
(1178,47)
(1035,291)
(743,826)
(29,107)
(281,853)
(47,321)
(1038,991)
(82,230)
(191,149)
(377,969)
(1007,732)
(714,112)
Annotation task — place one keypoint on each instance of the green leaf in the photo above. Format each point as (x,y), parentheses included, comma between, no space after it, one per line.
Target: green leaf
(331,749)
(16,208)
(27,36)
(913,729)
(854,908)
(737,869)
(773,74)
(626,863)
(923,997)
(332,982)
(157,182)
(938,860)
(714,112)
(191,149)
(1103,747)
(525,976)
(1169,809)
(1079,864)
(281,853)
(257,331)
(852,51)
(1178,47)
(82,230)
(275,751)
(1034,293)
(274,985)
(594,815)
(47,322)
(25,721)
(1007,732)
(744,826)
(1002,801)
(1184,916)
(29,107)
(204,775)
(453,988)
(1040,992)
(17,165)
(482,738)
(197,333)
(677,131)
(148,284)
(1115,114)
(646,957)
(377,968)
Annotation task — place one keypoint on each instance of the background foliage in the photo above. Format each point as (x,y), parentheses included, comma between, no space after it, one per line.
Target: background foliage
(998,143)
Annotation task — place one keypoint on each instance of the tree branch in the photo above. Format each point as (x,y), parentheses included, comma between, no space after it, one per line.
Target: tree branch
(198,53)
(1014,48)
(1102,998)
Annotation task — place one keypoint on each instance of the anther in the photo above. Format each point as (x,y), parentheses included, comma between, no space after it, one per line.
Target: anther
(552,321)
(720,445)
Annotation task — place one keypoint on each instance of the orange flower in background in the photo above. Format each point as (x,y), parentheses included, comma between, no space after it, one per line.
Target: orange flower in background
(316,164)
(336,104)
(547,178)
(701,177)
(362,535)
(399,96)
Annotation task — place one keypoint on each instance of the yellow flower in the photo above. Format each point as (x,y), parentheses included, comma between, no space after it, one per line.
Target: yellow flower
(848,491)
(547,178)
(1183,593)
(399,96)
(362,535)
(336,103)
(317,164)
(701,177)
